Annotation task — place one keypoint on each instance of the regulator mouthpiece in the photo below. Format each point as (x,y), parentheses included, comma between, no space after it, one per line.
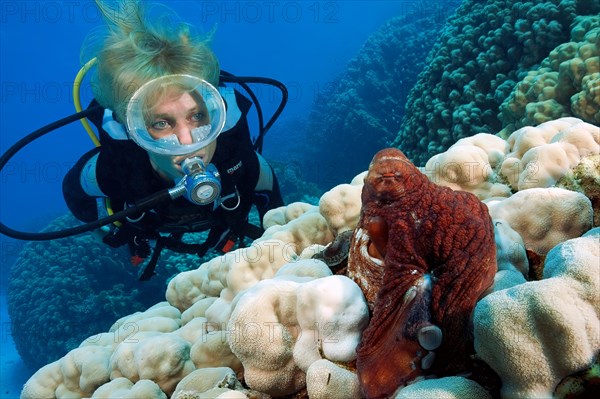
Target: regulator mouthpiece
(202,184)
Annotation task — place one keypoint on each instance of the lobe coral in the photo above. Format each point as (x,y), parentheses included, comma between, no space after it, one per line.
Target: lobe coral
(423,255)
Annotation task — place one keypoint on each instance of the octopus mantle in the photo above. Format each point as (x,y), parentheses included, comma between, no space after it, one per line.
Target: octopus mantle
(423,255)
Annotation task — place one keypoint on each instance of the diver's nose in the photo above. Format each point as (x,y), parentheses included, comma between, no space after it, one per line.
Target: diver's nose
(184,135)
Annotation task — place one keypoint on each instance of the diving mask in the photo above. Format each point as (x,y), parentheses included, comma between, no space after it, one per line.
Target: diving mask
(144,108)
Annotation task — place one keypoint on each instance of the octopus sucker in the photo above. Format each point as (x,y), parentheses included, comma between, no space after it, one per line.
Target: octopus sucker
(427,361)
(421,277)
(430,337)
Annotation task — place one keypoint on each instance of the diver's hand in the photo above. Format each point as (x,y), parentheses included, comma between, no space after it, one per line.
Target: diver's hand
(137,239)
(140,249)
(133,231)
(122,235)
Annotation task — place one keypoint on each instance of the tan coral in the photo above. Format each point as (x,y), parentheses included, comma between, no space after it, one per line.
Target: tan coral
(544,217)
(540,156)
(235,270)
(123,388)
(310,228)
(159,318)
(522,140)
(281,326)
(202,380)
(284,214)
(161,357)
(586,180)
(470,165)
(212,350)
(198,309)
(535,334)
(510,248)
(341,206)
(190,286)
(327,380)
(77,374)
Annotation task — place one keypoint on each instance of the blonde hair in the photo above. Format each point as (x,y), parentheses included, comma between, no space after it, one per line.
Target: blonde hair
(136,49)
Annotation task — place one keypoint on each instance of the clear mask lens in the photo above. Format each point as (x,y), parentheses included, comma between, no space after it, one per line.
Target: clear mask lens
(160,102)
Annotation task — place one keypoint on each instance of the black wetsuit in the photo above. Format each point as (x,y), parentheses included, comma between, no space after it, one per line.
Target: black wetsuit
(125,175)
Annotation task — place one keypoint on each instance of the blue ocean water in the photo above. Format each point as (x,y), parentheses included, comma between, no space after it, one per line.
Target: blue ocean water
(304,44)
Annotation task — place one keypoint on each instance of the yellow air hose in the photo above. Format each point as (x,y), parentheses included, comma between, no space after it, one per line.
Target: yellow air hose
(86,125)
(77,99)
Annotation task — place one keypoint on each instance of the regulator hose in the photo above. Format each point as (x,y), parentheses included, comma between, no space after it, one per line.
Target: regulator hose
(145,204)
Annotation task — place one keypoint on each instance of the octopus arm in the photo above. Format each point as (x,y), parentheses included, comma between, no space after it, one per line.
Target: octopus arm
(393,334)
(463,273)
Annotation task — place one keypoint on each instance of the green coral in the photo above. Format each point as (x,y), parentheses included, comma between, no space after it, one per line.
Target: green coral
(361,111)
(567,83)
(481,54)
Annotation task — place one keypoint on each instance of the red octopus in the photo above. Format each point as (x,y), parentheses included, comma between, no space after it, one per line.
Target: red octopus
(423,255)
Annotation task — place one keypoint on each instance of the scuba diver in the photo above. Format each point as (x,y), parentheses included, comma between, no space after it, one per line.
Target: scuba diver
(164,118)
(167,123)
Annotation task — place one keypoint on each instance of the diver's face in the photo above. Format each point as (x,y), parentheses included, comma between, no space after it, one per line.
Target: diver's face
(177,114)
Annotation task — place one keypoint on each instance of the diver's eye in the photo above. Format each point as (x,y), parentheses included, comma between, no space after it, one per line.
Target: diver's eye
(160,125)
(198,116)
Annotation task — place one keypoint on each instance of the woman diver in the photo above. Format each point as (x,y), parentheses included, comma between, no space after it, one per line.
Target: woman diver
(165,121)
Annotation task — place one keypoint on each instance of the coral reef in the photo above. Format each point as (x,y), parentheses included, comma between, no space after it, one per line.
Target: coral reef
(295,182)
(361,111)
(471,164)
(536,333)
(310,320)
(586,179)
(272,319)
(564,150)
(62,291)
(444,388)
(565,84)
(540,156)
(544,217)
(123,388)
(483,51)
(327,380)
(273,301)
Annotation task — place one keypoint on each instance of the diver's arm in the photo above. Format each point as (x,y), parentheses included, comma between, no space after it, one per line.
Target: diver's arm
(80,187)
